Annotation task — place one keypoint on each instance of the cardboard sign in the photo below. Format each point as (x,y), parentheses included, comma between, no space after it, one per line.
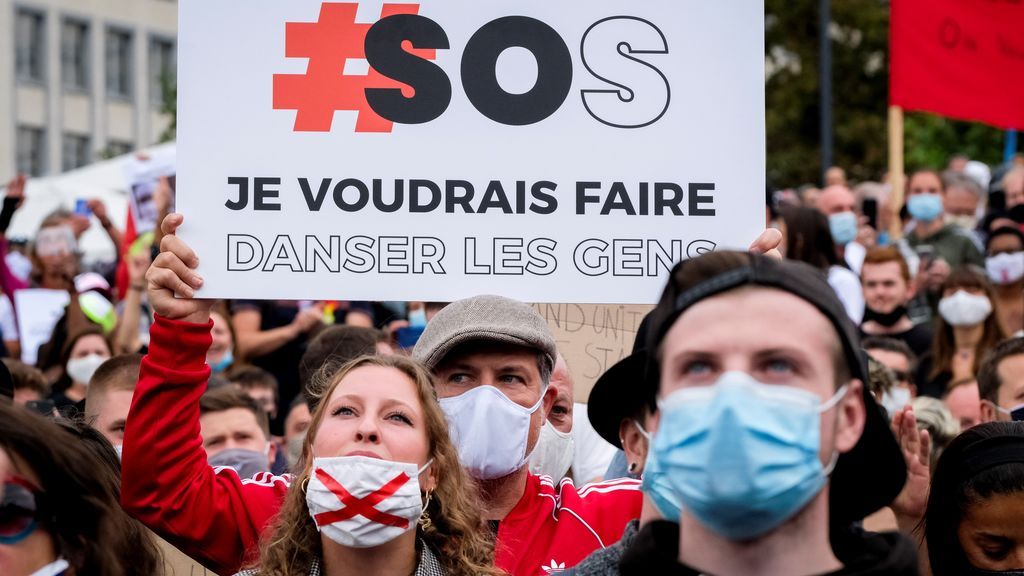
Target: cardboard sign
(38,311)
(592,338)
(546,151)
(176,563)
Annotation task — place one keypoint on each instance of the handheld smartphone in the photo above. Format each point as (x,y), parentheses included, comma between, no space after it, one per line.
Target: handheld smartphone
(82,207)
(870,209)
(926,252)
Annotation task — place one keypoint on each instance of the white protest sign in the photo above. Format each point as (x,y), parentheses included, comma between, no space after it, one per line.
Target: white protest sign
(547,151)
(38,311)
(143,175)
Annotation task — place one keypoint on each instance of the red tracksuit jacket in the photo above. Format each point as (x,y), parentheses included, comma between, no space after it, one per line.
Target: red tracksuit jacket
(217,517)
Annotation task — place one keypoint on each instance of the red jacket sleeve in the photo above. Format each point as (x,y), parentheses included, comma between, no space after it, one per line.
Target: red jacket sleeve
(214,517)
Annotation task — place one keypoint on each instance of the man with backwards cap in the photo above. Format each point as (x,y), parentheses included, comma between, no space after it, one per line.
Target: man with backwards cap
(492,359)
(766,433)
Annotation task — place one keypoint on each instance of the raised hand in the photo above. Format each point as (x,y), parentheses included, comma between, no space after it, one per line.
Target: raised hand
(916,444)
(768,243)
(16,189)
(171,281)
(99,209)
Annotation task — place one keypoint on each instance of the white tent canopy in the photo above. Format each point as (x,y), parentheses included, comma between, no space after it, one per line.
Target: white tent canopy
(106,180)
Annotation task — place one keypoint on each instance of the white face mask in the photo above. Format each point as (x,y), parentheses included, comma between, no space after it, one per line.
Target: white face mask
(490,430)
(1004,268)
(293,450)
(55,568)
(553,454)
(119,448)
(964,221)
(81,369)
(896,399)
(965,309)
(340,492)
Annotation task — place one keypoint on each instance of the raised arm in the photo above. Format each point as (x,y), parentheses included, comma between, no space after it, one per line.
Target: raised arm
(215,517)
(99,209)
(126,336)
(253,342)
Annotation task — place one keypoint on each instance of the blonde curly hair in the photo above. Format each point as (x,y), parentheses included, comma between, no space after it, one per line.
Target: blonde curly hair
(456,532)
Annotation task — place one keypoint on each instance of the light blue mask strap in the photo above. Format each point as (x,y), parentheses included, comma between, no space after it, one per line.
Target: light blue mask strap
(835,399)
(831,403)
(643,432)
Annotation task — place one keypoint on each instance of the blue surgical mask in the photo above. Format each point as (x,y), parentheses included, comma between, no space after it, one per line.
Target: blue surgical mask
(656,486)
(843,227)
(742,455)
(418,318)
(925,207)
(223,364)
(247,463)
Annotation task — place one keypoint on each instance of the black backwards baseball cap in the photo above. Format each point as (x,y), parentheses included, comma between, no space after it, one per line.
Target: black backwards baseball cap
(865,479)
(622,390)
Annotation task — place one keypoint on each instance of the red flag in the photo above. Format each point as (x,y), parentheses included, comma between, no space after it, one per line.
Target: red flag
(121,279)
(959,58)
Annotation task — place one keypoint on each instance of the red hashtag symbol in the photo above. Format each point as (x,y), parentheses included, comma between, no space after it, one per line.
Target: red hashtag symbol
(324,88)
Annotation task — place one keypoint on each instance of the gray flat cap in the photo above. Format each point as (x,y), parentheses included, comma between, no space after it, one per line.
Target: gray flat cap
(489,318)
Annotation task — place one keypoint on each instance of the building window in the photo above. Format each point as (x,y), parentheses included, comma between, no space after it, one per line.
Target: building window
(117,148)
(76,152)
(29,45)
(162,68)
(119,63)
(31,151)
(74,54)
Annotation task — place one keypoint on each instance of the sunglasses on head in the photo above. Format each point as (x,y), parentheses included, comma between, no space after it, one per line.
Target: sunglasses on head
(19,510)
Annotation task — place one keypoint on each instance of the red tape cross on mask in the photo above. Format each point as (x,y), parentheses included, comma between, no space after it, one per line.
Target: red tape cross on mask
(361,506)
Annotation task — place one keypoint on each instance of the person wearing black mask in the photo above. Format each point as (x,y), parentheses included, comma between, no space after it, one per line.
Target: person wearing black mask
(888,288)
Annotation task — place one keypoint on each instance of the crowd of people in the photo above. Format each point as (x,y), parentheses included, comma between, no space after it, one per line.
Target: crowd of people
(844,398)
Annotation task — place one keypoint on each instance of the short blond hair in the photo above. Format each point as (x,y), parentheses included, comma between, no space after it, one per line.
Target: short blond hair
(116,374)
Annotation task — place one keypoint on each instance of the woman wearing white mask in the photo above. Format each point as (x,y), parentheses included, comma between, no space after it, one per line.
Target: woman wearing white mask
(86,350)
(1004,262)
(966,329)
(381,490)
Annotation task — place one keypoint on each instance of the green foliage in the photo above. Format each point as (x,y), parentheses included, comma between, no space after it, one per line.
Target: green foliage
(169,106)
(860,52)
(930,141)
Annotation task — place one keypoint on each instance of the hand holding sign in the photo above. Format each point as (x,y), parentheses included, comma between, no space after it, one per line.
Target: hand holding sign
(171,282)
(768,243)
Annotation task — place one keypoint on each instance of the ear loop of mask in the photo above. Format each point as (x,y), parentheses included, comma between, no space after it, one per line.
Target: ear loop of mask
(832,402)
(533,410)
(643,432)
(426,502)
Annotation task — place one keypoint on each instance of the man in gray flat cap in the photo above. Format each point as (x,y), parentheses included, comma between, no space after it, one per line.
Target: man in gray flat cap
(492,359)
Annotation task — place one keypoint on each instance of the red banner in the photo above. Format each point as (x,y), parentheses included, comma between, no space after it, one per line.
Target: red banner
(959,58)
